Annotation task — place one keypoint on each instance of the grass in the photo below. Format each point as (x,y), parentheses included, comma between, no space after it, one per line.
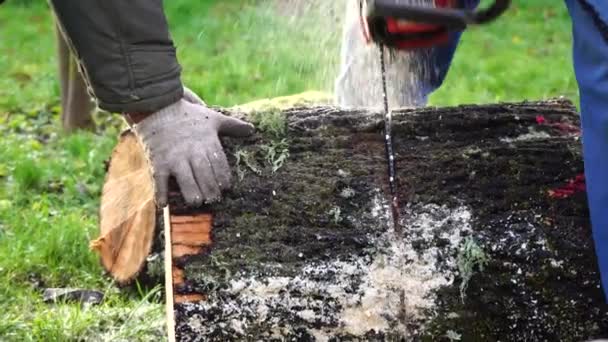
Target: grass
(525,55)
(232,52)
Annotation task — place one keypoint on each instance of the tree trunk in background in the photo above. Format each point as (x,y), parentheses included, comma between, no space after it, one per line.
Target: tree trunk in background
(307,252)
(77,106)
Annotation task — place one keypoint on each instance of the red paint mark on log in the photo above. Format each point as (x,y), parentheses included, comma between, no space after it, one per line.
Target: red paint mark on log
(563,127)
(540,120)
(573,187)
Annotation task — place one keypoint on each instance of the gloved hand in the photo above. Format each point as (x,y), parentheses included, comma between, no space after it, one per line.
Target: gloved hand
(182,140)
(191,97)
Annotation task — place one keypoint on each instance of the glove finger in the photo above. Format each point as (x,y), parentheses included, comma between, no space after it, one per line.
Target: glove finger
(187,184)
(161,183)
(222,171)
(192,97)
(205,177)
(234,127)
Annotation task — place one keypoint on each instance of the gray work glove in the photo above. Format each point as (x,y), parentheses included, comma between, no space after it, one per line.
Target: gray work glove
(191,97)
(182,140)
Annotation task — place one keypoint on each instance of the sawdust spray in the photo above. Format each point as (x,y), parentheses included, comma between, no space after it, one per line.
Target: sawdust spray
(358,83)
(348,65)
(318,23)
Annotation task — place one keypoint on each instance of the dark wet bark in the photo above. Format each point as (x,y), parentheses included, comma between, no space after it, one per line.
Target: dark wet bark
(509,165)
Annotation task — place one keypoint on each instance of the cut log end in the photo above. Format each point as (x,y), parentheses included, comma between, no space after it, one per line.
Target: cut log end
(127,213)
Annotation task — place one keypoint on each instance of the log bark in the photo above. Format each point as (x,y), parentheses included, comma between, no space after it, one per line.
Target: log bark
(492,196)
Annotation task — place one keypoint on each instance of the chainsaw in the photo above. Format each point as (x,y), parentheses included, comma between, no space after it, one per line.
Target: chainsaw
(402,25)
(398,24)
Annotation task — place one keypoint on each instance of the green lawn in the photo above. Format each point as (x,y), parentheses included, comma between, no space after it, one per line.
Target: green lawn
(526,55)
(232,52)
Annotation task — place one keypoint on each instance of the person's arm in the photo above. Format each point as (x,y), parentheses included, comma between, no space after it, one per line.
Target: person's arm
(129,61)
(126,50)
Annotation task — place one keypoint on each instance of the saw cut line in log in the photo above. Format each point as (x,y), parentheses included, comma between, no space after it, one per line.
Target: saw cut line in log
(496,241)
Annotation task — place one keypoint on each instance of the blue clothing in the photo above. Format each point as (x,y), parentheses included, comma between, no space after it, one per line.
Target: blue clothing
(440,58)
(589,18)
(590,49)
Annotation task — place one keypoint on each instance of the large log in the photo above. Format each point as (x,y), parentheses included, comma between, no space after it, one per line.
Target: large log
(493,241)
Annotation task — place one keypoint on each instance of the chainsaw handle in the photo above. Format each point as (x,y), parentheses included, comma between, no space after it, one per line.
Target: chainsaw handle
(484,16)
(454,19)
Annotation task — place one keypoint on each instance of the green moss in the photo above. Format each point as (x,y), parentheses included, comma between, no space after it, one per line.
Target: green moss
(245,161)
(470,257)
(272,123)
(276,153)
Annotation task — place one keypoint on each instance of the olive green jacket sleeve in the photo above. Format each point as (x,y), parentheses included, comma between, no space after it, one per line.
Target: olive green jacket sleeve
(125,52)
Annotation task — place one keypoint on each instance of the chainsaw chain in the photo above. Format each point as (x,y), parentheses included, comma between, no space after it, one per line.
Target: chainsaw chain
(388,142)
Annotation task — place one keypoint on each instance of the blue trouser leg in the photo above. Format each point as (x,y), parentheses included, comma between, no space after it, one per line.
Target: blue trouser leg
(590,51)
(439,58)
